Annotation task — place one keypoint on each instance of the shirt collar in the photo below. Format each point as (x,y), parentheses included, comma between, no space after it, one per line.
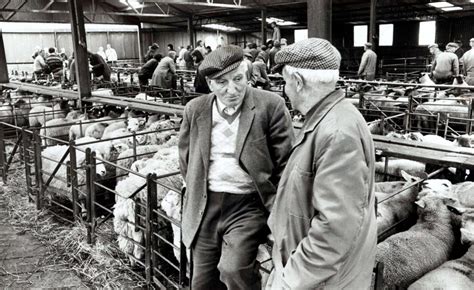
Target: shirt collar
(221,106)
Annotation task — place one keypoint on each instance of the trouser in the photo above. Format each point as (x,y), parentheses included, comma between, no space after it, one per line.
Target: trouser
(368,77)
(226,244)
(444,80)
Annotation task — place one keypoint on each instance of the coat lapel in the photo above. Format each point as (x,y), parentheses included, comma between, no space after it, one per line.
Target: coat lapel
(204,124)
(246,119)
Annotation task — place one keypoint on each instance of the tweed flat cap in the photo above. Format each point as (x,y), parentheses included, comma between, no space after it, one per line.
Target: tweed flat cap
(452,44)
(221,61)
(433,45)
(312,53)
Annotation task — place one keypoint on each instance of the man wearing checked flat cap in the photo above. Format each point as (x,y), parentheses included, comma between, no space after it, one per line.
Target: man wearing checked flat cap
(234,144)
(323,220)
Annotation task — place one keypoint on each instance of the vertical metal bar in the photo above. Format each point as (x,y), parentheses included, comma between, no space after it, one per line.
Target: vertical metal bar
(190,30)
(88,195)
(134,147)
(3,164)
(150,241)
(26,162)
(80,49)
(437,124)
(263,14)
(74,185)
(320,19)
(446,125)
(3,61)
(38,167)
(385,175)
(469,122)
(92,198)
(373,25)
(183,263)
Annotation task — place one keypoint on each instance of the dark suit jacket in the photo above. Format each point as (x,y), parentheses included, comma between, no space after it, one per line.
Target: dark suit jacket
(264,140)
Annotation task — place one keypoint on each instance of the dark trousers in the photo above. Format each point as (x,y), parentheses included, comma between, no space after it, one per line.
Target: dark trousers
(227,242)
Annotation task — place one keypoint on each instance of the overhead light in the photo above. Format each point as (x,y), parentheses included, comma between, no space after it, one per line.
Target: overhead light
(221,27)
(455,8)
(133,3)
(440,4)
(278,21)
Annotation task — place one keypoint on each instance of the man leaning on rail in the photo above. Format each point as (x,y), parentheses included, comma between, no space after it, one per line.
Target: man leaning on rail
(234,144)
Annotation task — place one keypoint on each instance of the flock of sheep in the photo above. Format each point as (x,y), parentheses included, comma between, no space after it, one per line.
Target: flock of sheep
(434,252)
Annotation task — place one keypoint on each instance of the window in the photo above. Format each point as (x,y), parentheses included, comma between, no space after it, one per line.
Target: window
(301,34)
(427,33)
(385,34)
(360,35)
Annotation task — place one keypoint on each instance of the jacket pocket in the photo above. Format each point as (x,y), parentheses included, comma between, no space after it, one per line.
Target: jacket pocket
(300,194)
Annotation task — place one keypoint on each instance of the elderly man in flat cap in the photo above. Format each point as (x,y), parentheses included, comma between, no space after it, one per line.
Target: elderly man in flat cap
(446,65)
(234,144)
(368,63)
(468,63)
(323,221)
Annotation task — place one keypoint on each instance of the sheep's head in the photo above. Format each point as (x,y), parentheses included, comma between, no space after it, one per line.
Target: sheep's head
(171,204)
(97,130)
(463,141)
(436,187)
(135,124)
(120,145)
(467,229)
(414,136)
(433,208)
(141,139)
(100,166)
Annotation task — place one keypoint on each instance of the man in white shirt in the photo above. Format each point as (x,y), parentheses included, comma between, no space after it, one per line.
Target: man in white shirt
(233,147)
(111,54)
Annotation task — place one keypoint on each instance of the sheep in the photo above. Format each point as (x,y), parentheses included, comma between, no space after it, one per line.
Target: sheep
(39,115)
(20,113)
(6,113)
(112,127)
(425,246)
(395,166)
(455,274)
(144,96)
(79,130)
(426,80)
(397,208)
(162,162)
(378,127)
(59,128)
(135,124)
(451,106)
(171,205)
(96,130)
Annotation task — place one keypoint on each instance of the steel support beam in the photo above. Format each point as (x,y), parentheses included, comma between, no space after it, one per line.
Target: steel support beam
(191,30)
(320,19)
(3,61)
(80,49)
(373,38)
(264,25)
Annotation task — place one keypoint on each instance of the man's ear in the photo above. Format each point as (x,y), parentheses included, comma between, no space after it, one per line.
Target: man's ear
(299,81)
(208,80)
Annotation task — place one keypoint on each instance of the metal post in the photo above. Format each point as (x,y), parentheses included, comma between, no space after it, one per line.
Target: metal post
(263,13)
(80,49)
(3,164)
(74,184)
(88,195)
(320,18)
(150,243)
(38,168)
(26,161)
(469,122)
(373,38)
(3,61)
(190,30)
(92,195)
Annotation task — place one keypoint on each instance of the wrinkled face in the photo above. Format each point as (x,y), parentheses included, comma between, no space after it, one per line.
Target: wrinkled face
(291,90)
(230,88)
(467,229)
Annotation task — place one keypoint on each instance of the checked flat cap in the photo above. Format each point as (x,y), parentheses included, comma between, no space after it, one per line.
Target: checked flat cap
(221,61)
(312,53)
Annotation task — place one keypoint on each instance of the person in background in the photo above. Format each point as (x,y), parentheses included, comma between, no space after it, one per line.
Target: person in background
(146,71)
(434,51)
(446,65)
(111,55)
(200,82)
(188,59)
(180,60)
(458,51)
(101,52)
(233,146)
(276,36)
(63,54)
(54,62)
(72,69)
(323,219)
(39,63)
(264,54)
(164,73)
(368,63)
(283,42)
(100,68)
(269,44)
(276,48)
(201,48)
(259,73)
(248,61)
(208,50)
(152,50)
(468,63)
(253,50)
(171,52)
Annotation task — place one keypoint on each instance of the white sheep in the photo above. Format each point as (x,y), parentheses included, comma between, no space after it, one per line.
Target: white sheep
(456,274)
(79,130)
(39,115)
(126,158)
(160,164)
(136,124)
(408,255)
(59,128)
(395,166)
(171,205)
(121,124)
(96,130)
